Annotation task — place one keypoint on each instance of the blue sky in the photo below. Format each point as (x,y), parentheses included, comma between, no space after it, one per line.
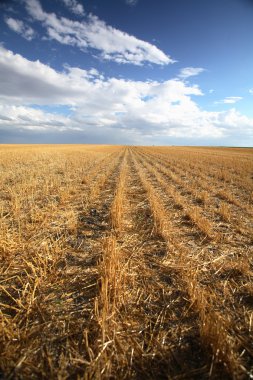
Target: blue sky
(127,72)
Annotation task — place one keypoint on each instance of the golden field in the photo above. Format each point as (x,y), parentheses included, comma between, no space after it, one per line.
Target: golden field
(126,262)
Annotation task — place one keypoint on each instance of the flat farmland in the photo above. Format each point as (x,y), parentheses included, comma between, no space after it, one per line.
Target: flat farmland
(126,262)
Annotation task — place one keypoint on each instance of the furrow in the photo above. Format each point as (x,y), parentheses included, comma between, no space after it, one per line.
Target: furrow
(54,317)
(153,331)
(222,338)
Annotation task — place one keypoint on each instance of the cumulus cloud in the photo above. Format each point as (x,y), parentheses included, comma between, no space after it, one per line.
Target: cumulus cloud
(190,71)
(23,117)
(75,7)
(113,44)
(251,91)
(19,27)
(27,81)
(131,110)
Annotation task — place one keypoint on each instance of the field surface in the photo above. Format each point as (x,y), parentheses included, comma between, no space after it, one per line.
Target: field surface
(126,262)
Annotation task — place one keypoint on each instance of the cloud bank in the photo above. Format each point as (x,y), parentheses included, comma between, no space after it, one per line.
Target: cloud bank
(132,111)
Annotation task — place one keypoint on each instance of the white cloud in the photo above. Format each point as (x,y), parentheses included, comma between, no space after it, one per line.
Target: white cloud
(27,81)
(133,109)
(251,91)
(19,27)
(113,44)
(23,117)
(131,2)
(231,99)
(75,7)
(190,71)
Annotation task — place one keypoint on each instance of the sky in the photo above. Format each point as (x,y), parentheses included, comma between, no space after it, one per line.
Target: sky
(131,72)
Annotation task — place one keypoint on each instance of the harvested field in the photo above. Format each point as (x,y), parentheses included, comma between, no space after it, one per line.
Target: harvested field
(126,262)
